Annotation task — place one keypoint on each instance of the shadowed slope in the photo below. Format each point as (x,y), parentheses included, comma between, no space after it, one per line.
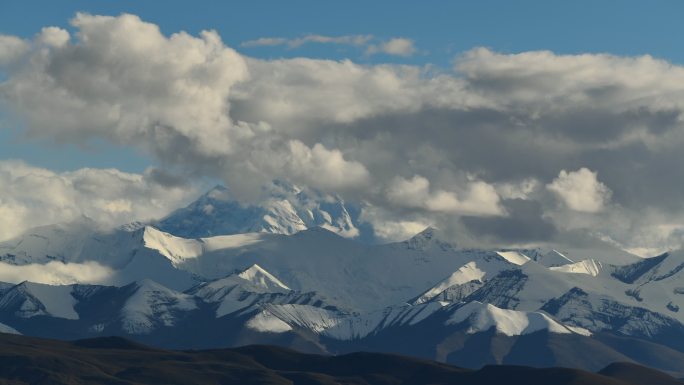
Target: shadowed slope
(113,360)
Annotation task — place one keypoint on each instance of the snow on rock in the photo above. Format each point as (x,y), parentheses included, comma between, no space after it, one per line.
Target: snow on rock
(427,240)
(514,257)
(482,317)
(8,329)
(465,280)
(312,318)
(58,242)
(635,271)
(152,304)
(468,273)
(286,210)
(249,289)
(587,266)
(174,248)
(669,265)
(361,326)
(549,258)
(262,278)
(34,299)
(228,242)
(596,312)
(349,274)
(266,322)
(254,279)
(340,326)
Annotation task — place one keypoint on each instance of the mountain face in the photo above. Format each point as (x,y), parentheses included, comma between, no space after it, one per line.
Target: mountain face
(109,361)
(301,285)
(287,211)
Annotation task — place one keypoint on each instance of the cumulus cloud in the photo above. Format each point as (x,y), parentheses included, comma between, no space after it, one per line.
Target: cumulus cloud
(11,49)
(103,83)
(580,190)
(355,40)
(486,139)
(479,197)
(32,196)
(396,46)
(55,273)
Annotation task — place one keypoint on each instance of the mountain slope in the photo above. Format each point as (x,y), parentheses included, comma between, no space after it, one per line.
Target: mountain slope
(286,211)
(117,361)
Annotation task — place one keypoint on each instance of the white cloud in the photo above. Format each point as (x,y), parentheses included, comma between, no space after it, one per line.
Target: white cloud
(507,119)
(11,48)
(397,46)
(303,93)
(393,231)
(53,37)
(555,82)
(354,40)
(265,42)
(122,79)
(56,273)
(523,189)
(325,168)
(479,198)
(580,190)
(103,84)
(31,196)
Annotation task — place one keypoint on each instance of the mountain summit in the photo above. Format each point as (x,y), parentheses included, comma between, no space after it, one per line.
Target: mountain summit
(287,210)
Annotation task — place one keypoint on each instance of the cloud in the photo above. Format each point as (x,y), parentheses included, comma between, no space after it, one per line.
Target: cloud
(55,273)
(11,49)
(580,190)
(324,168)
(479,198)
(265,42)
(53,37)
(353,40)
(31,196)
(524,225)
(103,82)
(396,46)
(416,144)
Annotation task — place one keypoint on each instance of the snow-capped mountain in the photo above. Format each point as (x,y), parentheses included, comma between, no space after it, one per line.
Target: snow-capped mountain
(282,273)
(287,210)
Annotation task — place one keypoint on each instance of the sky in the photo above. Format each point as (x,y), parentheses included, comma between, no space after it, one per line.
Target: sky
(509,122)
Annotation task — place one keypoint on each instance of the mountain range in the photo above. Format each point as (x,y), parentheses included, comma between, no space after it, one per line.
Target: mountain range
(291,272)
(113,360)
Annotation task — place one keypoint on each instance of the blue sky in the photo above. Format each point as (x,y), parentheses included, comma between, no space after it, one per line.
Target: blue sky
(440,29)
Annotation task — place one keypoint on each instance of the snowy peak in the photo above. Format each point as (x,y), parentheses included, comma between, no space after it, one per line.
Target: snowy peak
(633,272)
(249,289)
(43,244)
(514,257)
(549,258)
(667,266)
(174,248)
(151,305)
(259,277)
(481,317)
(588,266)
(464,281)
(596,312)
(427,240)
(286,210)
(254,279)
(29,299)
